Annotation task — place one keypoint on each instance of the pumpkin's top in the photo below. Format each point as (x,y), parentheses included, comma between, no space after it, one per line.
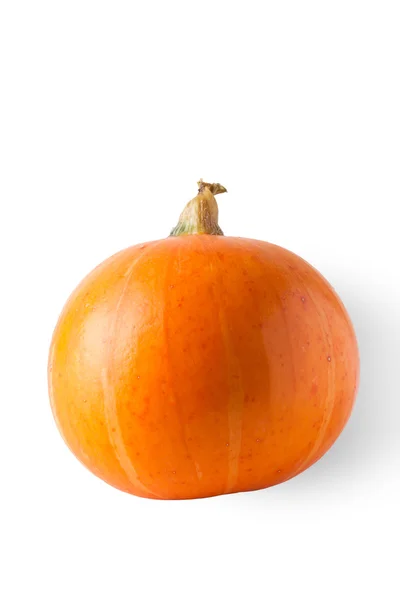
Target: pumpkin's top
(200,215)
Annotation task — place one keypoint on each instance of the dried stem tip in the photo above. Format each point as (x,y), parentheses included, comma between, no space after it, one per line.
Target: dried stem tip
(200,215)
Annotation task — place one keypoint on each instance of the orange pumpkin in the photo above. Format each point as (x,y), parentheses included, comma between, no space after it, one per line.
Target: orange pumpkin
(201,364)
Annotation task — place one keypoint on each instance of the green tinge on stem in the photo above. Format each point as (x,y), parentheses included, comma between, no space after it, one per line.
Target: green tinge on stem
(200,215)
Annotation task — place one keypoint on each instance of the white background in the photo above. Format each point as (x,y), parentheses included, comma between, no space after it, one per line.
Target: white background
(110,112)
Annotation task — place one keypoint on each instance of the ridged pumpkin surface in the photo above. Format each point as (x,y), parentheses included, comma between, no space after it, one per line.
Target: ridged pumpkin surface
(201,365)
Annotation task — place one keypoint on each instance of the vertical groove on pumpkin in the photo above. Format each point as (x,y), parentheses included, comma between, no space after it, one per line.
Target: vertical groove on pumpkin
(110,400)
(236,393)
(275,291)
(330,396)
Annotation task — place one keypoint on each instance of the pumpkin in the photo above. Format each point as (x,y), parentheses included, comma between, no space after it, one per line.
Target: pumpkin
(201,364)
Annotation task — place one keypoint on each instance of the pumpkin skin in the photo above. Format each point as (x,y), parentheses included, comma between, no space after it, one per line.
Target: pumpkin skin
(201,365)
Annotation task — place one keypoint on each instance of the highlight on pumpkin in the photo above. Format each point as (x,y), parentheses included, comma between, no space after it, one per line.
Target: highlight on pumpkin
(201,364)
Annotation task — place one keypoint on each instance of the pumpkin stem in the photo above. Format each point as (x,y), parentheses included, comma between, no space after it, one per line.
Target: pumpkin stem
(200,215)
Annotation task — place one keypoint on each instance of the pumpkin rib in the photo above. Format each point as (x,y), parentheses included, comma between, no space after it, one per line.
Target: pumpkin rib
(325,422)
(110,401)
(243,243)
(84,458)
(280,301)
(330,397)
(176,402)
(236,392)
(286,327)
(51,390)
